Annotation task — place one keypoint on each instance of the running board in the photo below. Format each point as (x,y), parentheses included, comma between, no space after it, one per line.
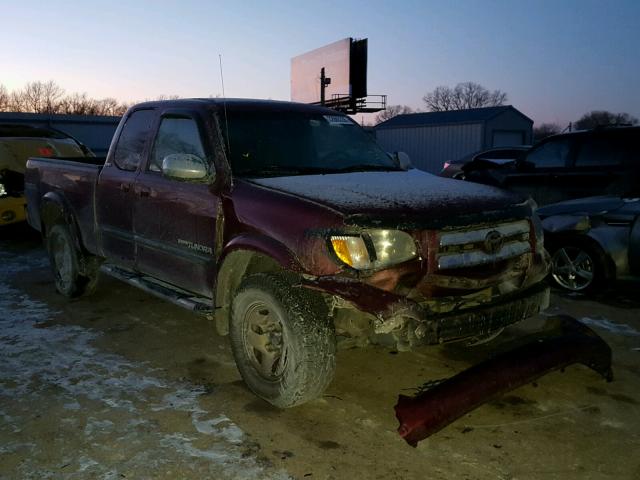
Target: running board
(166,291)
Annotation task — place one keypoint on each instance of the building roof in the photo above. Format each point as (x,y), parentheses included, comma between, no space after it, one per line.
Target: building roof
(472,115)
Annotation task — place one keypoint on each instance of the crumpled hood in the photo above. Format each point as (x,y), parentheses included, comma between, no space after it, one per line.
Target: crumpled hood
(401,197)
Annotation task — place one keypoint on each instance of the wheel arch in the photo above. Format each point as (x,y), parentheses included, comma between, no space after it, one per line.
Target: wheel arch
(55,210)
(555,241)
(247,255)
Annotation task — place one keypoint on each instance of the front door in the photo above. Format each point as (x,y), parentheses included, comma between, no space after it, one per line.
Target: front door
(175,220)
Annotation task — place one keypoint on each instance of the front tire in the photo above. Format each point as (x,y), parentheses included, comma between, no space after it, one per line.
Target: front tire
(73,276)
(282,339)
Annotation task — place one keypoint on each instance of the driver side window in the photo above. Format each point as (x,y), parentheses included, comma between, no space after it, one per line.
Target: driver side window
(553,154)
(176,135)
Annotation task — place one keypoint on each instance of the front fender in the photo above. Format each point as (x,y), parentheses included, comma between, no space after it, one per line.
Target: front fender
(244,255)
(566,223)
(264,245)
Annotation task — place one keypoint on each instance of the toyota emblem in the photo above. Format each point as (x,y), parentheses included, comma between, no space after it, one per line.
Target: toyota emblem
(493,242)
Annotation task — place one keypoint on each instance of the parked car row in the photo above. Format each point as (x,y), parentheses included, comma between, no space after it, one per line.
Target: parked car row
(588,184)
(18,143)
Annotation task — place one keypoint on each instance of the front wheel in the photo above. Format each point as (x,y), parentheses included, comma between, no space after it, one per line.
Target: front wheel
(282,339)
(578,267)
(72,272)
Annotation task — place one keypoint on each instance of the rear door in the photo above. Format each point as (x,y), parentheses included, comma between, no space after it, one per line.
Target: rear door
(175,220)
(114,192)
(540,174)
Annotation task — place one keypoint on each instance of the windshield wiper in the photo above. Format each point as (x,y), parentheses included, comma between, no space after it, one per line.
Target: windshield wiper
(280,170)
(365,168)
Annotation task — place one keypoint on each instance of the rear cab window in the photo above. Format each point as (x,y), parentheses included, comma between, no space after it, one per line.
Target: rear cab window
(132,141)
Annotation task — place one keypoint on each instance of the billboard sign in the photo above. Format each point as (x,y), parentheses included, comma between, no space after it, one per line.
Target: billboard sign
(344,62)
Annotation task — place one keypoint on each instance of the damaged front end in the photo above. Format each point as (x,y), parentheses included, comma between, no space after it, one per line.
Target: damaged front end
(568,343)
(465,283)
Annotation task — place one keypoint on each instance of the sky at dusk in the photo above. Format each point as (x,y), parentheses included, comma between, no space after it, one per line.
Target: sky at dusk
(555,59)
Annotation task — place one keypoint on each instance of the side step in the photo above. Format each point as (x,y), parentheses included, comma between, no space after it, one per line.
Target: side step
(177,296)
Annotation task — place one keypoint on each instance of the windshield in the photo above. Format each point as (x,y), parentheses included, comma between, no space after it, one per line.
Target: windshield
(268,143)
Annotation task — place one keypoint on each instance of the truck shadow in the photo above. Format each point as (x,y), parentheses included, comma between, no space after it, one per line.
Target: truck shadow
(19,237)
(622,294)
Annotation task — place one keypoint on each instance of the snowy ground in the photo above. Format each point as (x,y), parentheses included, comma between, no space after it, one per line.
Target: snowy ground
(72,410)
(122,385)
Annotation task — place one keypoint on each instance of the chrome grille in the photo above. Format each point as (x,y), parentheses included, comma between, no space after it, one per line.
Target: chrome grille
(484,245)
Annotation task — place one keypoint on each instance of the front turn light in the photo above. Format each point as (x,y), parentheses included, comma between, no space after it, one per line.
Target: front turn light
(374,249)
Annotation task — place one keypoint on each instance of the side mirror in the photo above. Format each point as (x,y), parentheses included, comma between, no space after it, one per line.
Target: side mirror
(184,166)
(403,160)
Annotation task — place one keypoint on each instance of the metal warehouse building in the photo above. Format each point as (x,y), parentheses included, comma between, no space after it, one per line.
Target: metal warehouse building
(432,138)
(94,131)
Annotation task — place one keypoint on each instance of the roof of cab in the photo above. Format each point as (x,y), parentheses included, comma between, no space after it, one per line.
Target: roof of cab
(239,104)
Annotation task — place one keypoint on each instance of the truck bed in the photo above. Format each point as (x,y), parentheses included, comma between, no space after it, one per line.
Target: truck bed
(73,181)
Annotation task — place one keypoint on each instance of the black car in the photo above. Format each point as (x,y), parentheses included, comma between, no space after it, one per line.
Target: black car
(592,241)
(580,164)
(493,157)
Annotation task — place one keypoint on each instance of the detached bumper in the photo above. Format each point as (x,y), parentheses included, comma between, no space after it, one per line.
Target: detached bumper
(570,342)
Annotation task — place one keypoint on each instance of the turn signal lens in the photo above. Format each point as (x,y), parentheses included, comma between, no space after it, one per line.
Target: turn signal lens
(351,250)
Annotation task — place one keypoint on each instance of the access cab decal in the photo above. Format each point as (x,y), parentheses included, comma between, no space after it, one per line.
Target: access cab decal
(195,246)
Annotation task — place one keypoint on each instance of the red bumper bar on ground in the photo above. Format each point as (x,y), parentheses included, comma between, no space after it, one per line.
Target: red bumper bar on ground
(571,342)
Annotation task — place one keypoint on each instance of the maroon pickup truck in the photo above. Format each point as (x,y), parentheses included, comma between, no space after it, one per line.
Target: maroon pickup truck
(292,228)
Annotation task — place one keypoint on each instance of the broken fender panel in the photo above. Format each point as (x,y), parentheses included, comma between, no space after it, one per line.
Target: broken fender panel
(571,342)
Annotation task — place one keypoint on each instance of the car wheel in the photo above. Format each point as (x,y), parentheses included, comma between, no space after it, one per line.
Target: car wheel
(282,340)
(66,263)
(578,267)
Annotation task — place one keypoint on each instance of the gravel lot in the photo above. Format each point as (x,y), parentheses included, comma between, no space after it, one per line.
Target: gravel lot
(123,385)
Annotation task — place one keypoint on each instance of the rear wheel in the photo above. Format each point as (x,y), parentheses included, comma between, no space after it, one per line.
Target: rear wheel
(578,266)
(74,273)
(282,340)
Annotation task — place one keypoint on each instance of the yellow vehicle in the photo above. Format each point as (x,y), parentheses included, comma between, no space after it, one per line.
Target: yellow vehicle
(17,144)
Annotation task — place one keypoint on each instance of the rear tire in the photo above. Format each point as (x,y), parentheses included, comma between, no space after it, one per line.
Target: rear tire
(74,273)
(282,339)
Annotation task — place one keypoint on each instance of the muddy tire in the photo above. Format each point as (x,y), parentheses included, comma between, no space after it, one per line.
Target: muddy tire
(74,273)
(282,339)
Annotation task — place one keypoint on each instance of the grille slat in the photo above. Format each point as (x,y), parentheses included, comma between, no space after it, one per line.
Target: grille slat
(482,246)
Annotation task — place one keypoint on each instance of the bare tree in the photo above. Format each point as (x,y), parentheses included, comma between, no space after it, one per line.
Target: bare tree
(462,97)
(37,97)
(5,99)
(392,111)
(110,106)
(78,104)
(544,130)
(597,118)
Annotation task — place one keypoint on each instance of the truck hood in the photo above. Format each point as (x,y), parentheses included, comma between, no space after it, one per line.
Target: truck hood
(402,198)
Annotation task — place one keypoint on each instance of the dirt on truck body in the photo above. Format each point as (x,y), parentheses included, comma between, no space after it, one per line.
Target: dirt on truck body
(291,227)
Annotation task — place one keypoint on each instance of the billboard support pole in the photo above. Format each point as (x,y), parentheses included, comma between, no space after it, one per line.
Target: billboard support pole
(324,81)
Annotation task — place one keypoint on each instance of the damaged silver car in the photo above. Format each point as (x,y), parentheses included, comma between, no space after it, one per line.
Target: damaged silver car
(592,241)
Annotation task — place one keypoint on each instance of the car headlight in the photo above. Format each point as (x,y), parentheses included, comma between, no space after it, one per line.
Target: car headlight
(3,191)
(374,249)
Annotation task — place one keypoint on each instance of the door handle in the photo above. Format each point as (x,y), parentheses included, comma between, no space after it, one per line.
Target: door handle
(125,187)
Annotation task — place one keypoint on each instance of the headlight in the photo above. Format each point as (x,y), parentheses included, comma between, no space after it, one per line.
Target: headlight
(3,191)
(374,249)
